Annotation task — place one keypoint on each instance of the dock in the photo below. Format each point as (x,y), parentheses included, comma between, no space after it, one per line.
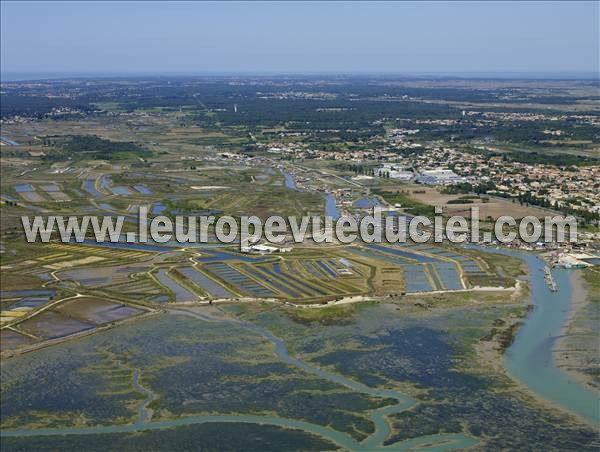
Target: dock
(550,281)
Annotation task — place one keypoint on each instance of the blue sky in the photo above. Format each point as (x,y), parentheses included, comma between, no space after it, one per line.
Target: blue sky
(187,37)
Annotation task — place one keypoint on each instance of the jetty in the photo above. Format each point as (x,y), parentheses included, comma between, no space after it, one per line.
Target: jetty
(550,281)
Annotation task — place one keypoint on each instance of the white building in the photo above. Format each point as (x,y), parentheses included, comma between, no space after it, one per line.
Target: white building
(264,249)
(395,172)
(439,177)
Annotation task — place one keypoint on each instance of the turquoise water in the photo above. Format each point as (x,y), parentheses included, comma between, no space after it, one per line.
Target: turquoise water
(530,360)
(430,442)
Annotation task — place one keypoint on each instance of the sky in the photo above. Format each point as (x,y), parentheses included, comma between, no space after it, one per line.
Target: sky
(299,37)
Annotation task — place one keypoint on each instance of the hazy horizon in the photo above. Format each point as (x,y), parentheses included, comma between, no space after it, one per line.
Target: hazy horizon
(180,38)
(30,76)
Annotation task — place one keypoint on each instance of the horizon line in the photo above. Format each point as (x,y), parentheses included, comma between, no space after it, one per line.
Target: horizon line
(16,75)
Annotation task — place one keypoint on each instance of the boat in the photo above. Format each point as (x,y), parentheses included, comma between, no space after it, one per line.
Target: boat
(550,281)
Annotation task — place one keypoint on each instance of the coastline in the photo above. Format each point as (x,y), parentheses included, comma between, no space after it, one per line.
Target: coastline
(492,354)
(528,363)
(562,350)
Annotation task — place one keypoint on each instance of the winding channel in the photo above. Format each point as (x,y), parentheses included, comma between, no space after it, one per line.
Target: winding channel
(144,413)
(529,360)
(439,442)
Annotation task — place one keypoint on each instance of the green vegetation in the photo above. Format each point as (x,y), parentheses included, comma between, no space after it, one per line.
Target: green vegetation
(330,315)
(92,147)
(592,277)
(409,204)
(213,437)
(433,358)
(538,136)
(533,158)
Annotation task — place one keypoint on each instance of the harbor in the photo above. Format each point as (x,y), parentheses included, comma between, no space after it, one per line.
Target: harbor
(550,281)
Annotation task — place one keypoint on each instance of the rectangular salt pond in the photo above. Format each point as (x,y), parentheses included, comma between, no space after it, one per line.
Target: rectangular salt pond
(413,268)
(273,282)
(470,268)
(377,256)
(467,262)
(22,188)
(289,180)
(59,196)
(10,340)
(303,287)
(416,286)
(96,310)
(219,255)
(291,280)
(31,196)
(435,282)
(120,190)
(366,203)
(97,276)
(124,245)
(238,280)
(309,267)
(27,293)
(415,247)
(419,277)
(325,267)
(203,281)
(8,197)
(180,292)
(345,262)
(402,253)
(30,302)
(331,209)
(142,189)
(450,279)
(115,314)
(51,325)
(50,187)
